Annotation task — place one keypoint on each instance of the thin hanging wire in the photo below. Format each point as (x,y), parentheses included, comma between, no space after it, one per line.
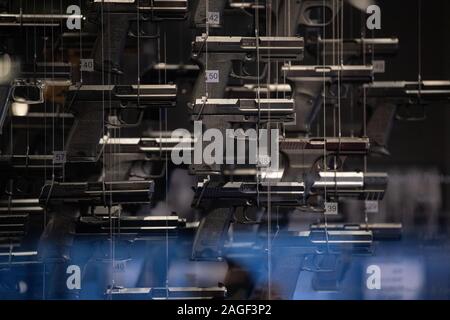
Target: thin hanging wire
(325,163)
(45,164)
(166,164)
(363,34)
(419,45)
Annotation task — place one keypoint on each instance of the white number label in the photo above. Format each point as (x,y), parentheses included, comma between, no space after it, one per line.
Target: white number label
(379,66)
(212,76)
(59,157)
(331,208)
(87,65)
(120,266)
(263,161)
(371,206)
(213,18)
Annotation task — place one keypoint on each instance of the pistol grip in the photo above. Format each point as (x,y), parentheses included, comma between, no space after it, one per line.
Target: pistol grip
(5,92)
(211,233)
(215,90)
(83,141)
(287,264)
(308,101)
(310,7)
(379,127)
(110,44)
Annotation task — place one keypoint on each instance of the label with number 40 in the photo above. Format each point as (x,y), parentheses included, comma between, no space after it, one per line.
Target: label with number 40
(87,65)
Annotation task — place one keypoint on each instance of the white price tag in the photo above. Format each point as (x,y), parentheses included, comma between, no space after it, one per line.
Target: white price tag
(379,66)
(331,208)
(120,266)
(371,206)
(59,157)
(213,18)
(263,161)
(87,65)
(212,76)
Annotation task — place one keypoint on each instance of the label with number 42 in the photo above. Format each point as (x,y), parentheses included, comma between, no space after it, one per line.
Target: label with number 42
(213,18)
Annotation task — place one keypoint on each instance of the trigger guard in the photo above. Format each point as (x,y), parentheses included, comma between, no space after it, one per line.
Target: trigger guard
(310,5)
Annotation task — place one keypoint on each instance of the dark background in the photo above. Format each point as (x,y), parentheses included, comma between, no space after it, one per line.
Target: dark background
(427,143)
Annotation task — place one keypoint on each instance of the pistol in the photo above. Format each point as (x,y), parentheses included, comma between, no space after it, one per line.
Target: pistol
(215,56)
(220,200)
(355,50)
(34,15)
(233,116)
(301,155)
(395,99)
(91,105)
(96,193)
(111,39)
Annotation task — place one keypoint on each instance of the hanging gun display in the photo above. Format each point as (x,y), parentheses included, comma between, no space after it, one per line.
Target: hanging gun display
(91,105)
(213,228)
(399,99)
(220,149)
(116,19)
(219,52)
